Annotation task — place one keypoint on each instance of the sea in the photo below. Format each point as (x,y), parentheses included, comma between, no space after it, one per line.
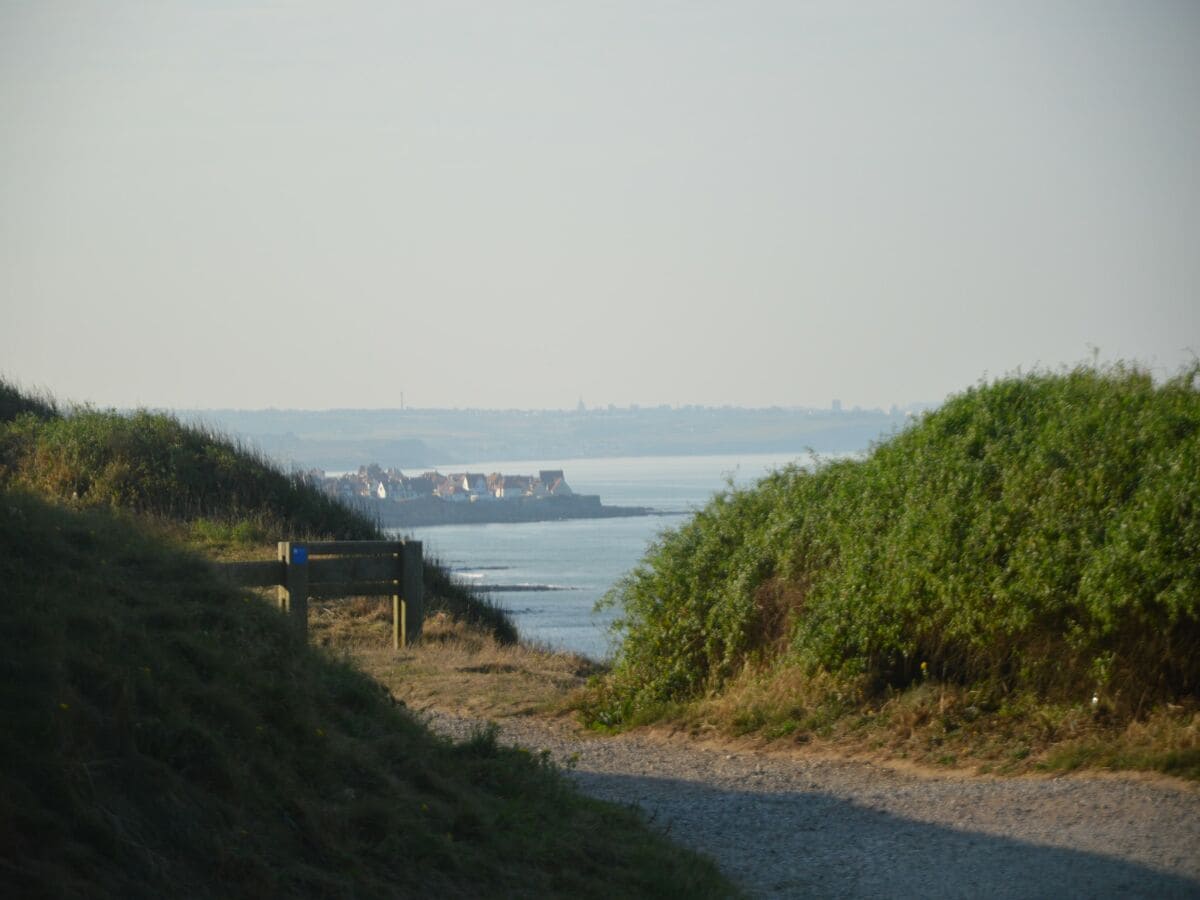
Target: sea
(549,575)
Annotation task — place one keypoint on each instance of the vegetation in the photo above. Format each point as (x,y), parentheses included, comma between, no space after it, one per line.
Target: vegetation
(455,667)
(1037,537)
(15,402)
(151,464)
(166,735)
(193,484)
(445,596)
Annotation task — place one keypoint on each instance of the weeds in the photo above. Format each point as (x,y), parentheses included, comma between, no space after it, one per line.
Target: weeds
(166,735)
(1038,537)
(151,464)
(213,492)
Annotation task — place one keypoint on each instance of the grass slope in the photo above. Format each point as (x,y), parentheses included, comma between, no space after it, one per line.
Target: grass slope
(152,464)
(15,402)
(165,736)
(192,483)
(1037,536)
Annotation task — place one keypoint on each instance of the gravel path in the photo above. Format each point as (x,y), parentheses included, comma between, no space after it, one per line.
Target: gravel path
(797,827)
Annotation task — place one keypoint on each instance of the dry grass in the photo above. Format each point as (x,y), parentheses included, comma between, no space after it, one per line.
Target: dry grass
(461,669)
(166,736)
(455,667)
(945,726)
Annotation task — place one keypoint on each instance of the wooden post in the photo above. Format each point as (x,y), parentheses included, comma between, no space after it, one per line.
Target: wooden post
(413,590)
(281,592)
(296,558)
(342,569)
(398,633)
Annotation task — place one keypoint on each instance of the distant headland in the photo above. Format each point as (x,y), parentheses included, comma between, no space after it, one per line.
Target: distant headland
(464,498)
(415,439)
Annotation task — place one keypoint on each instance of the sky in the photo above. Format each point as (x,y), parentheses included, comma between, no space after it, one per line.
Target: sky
(528,204)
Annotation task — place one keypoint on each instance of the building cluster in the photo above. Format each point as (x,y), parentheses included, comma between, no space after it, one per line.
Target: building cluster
(377,483)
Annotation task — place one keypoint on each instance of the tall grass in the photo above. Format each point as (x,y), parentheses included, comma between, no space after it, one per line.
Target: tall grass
(224,493)
(461,602)
(1040,533)
(152,464)
(14,401)
(166,736)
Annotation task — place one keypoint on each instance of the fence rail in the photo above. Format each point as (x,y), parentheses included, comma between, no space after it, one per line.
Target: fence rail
(331,569)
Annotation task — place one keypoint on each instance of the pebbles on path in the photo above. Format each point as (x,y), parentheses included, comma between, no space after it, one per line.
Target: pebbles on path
(796,826)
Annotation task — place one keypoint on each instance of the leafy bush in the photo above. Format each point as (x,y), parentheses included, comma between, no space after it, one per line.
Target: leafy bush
(1038,533)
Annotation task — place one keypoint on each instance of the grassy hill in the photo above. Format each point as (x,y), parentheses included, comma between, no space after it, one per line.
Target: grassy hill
(192,484)
(167,735)
(1033,544)
(155,466)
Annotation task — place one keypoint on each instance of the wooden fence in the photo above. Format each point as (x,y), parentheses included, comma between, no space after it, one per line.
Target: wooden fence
(328,569)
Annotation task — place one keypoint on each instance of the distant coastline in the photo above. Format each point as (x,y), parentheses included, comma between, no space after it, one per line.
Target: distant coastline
(412,439)
(397,500)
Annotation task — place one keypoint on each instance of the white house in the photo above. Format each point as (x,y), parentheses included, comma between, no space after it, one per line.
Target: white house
(509,487)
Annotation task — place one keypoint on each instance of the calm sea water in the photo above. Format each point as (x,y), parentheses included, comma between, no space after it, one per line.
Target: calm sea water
(579,560)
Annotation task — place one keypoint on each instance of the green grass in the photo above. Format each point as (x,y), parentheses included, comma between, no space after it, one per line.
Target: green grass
(165,735)
(1180,763)
(1039,535)
(152,464)
(194,484)
(14,401)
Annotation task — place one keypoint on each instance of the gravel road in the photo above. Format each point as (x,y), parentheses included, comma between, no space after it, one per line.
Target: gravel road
(798,826)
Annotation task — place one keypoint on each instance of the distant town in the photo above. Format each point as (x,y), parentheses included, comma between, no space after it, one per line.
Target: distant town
(376,483)
(463,498)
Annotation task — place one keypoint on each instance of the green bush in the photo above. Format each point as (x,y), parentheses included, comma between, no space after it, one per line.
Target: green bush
(1039,533)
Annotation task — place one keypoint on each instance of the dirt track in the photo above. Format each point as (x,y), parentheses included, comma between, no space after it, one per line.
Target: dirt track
(797,826)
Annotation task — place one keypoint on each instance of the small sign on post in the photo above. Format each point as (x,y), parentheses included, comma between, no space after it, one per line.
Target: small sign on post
(329,569)
(296,557)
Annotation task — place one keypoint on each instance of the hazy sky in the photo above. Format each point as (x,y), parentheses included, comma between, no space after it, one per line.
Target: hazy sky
(517,204)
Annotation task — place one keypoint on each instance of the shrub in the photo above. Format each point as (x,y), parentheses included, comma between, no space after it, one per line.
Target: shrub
(1041,532)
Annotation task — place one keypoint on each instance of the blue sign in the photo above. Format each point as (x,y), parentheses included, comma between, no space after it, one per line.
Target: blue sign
(299,556)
